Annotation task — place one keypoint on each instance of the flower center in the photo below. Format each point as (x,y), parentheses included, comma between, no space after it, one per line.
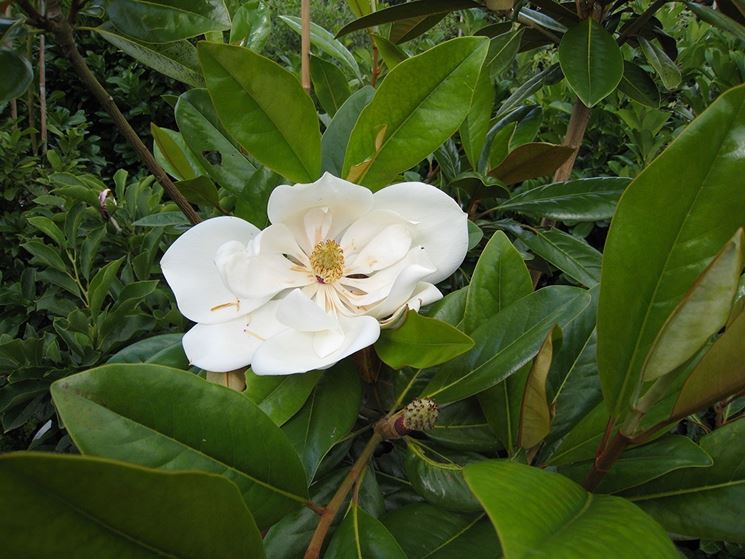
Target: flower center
(327,261)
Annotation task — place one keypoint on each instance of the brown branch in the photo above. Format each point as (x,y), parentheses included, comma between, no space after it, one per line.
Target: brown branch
(574,135)
(305,45)
(34,17)
(42,86)
(63,33)
(329,513)
(605,460)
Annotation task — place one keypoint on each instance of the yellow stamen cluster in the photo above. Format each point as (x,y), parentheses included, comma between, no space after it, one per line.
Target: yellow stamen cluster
(327,261)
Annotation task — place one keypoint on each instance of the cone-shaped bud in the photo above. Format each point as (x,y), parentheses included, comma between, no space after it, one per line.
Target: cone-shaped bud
(421,415)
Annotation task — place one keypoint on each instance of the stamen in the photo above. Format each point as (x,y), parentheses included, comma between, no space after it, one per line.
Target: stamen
(236,304)
(327,261)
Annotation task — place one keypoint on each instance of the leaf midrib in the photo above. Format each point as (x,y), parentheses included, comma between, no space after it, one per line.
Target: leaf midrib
(416,108)
(217,461)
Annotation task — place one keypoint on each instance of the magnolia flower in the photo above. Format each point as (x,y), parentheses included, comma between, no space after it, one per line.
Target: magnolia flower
(315,286)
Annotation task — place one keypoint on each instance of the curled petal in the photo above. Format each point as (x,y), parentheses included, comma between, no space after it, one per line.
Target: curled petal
(231,345)
(262,276)
(343,201)
(297,352)
(190,270)
(437,223)
(424,294)
(389,246)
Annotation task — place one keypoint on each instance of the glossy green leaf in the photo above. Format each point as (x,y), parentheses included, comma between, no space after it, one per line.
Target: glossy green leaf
(280,397)
(162,417)
(164,21)
(421,342)
(591,61)
(329,84)
(101,283)
(644,463)
(264,108)
(474,128)
(692,196)
(571,255)
(666,69)
(500,278)
(701,313)
(406,11)
(45,255)
(162,219)
(530,161)
(720,373)
(392,54)
(717,19)
(360,7)
(639,85)
(325,42)
(403,124)
(462,426)
(591,199)
(537,512)
(217,153)
(17,75)
(428,532)
(252,24)
(583,438)
(49,228)
(200,191)
(499,146)
(407,29)
(439,478)
(450,308)
(506,342)
(177,60)
(174,155)
(550,75)
(535,409)
(336,136)
(704,503)
(57,505)
(364,537)
(502,51)
(153,350)
(327,416)
(252,201)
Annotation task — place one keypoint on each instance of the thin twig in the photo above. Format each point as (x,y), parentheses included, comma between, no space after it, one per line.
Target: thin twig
(63,33)
(305,45)
(639,22)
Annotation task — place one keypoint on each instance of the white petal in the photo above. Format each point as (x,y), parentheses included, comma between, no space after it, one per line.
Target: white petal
(278,239)
(424,294)
(300,313)
(404,287)
(230,345)
(298,352)
(385,249)
(344,202)
(437,223)
(392,286)
(190,270)
(364,229)
(261,276)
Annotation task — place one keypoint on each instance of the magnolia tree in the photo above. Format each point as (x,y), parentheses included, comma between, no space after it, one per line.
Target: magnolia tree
(402,348)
